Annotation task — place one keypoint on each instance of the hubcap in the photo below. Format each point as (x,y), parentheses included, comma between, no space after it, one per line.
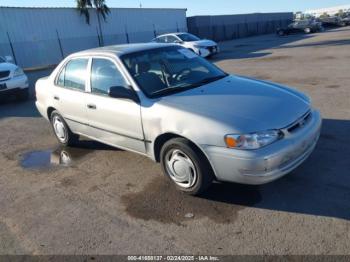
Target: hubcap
(60,129)
(180,168)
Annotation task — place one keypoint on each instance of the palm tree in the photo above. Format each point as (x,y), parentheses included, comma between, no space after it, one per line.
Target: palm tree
(101,10)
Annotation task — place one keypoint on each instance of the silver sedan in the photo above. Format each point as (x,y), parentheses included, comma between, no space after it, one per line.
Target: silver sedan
(167,103)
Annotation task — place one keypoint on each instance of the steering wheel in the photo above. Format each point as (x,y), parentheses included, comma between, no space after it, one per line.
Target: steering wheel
(181,74)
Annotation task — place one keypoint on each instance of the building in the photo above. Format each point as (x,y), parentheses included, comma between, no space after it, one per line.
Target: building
(330,10)
(44,36)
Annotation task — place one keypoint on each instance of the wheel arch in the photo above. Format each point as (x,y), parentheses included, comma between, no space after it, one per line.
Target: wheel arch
(163,138)
(50,109)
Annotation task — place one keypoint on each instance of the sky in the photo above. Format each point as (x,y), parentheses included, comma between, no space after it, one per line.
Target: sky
(197,7)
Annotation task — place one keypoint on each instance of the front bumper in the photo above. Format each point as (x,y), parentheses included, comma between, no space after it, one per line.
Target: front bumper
(208,51)
(268,163)
(14,85)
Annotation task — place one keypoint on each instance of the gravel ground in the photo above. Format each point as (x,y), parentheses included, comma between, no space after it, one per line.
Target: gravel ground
(109,201)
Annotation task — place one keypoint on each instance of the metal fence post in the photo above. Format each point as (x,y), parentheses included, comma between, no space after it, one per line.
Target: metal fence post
(154,31)
(59,44)
(127,35)
(98,37)
(12,49)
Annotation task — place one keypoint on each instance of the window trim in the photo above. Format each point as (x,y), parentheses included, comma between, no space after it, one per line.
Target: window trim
(64,66)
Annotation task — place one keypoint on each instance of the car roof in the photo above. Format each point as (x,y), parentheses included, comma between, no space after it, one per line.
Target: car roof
(120,50)
(177,33)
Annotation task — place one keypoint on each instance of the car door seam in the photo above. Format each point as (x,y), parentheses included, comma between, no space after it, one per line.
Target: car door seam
(112,132)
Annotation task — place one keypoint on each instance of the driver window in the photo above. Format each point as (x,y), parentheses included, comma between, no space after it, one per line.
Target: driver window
(104,75)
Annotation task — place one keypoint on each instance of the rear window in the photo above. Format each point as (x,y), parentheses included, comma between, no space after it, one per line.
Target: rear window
(73,75)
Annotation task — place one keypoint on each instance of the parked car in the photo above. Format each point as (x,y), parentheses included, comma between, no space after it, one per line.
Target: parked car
(305,26)
(332,21)
(165,102)
(346,19)
(13,81)
(202,47)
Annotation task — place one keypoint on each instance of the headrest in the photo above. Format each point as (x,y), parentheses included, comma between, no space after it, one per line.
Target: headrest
(143,67)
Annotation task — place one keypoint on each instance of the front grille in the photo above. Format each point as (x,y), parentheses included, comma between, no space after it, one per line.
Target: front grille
(301,122)
(4,74)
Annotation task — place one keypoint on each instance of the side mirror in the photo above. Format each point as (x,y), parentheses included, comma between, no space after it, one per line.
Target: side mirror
(9,59)
(178,42)
(123,92)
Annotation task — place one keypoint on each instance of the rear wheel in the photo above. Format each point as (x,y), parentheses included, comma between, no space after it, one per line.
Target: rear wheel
(280,33)
(307,30)
(61,130)
(186,166)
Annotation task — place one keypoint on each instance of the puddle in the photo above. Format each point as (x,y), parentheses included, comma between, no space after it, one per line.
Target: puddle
(61,156)
(160,201)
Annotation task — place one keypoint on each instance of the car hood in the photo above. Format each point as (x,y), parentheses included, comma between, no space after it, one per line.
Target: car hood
(242,104)
(7,66)
(204,42)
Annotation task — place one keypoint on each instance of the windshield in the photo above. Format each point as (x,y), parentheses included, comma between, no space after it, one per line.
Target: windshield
(188,37)
(169,70)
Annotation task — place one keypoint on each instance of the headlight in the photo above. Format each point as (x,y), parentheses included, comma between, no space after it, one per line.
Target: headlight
(254,140)
(198,46)
(18,72)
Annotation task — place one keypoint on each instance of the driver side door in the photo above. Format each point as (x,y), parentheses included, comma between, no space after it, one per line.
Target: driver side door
(114,121)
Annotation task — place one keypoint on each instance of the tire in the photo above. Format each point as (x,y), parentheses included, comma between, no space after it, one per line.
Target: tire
(180,154)
(23,95)
(61,130)
(307,30)
(280,33)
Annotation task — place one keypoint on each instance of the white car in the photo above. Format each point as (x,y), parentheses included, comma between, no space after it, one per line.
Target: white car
(202,47)
(13,81)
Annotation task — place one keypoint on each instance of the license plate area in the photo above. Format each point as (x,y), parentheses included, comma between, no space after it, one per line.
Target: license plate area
(3,86)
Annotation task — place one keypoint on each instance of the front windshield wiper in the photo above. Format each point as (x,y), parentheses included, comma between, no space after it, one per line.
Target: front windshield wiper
(189,86)
(210,79)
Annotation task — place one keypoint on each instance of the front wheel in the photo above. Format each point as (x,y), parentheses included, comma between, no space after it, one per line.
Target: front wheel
(186,166)
(61,130)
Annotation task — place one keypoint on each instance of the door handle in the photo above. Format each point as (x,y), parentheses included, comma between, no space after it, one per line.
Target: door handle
(56,98)
(91,106)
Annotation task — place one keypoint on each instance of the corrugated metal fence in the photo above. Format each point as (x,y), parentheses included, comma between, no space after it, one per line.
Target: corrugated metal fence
(43,36)
(228,27)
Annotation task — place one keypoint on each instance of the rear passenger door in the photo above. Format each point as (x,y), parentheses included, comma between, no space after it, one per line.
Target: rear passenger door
(114,121)
(69,94)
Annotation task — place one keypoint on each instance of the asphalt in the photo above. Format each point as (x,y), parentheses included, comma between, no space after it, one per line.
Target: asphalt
(109,201)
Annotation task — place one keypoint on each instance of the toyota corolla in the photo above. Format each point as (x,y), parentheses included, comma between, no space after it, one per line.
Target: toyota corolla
(165,102)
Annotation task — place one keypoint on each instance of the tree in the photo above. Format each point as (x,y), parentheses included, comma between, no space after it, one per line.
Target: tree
(341,13)
(324,15)
(101,10)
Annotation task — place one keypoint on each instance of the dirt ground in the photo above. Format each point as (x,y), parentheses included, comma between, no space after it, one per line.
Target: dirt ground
(109,201)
